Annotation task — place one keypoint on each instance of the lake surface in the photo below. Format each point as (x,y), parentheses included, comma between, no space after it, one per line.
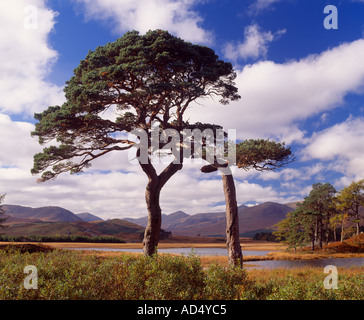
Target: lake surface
(314,263)
(267,264)
(186,251)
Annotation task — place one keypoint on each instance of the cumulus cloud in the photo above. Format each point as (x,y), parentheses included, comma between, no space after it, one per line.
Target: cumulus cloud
(276,96)
(176,16)
(261,5)
(255,44)
(342,145)
(26,57)
(17,146)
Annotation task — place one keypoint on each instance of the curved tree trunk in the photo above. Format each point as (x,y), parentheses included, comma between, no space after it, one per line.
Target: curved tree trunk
(232,222)
(232,217)
(153,229)
(152,194)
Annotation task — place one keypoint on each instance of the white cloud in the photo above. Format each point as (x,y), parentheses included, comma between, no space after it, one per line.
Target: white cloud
(260,5)
(344,139)
(26,57)
(176,16)
(255,44)
(275,97)
(342,145)
(17,146)
(252,192)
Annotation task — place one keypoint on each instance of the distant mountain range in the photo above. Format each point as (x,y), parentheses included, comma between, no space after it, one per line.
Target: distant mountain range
(56,220)
(49,214)
(27,221)
(251,220)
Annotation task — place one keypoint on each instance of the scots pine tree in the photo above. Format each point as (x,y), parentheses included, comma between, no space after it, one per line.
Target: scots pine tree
(146,80)
(261,155)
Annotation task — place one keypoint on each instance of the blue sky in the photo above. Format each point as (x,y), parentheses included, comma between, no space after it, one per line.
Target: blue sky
(300,83)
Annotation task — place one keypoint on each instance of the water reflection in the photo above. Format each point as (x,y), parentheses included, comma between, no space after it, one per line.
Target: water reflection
(186,251)
(267,264)
(315,263)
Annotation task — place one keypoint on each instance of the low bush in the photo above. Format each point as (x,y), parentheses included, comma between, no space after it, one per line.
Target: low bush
(64,274)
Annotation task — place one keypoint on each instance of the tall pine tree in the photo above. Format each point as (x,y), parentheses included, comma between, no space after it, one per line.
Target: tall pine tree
(149,79)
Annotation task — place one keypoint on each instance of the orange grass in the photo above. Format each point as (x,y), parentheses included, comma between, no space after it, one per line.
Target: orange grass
(246,245)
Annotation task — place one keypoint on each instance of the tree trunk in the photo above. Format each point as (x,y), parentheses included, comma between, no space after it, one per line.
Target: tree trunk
(313,238)
(357,218)
(152,193)
(153,229)
(232,222)
(316,231)
(321,233)
(358,227)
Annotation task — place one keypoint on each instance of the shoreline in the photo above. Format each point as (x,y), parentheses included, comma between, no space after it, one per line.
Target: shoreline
(248,246)
(276,251)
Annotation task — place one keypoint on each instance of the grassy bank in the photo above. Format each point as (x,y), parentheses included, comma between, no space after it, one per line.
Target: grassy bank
(64,274)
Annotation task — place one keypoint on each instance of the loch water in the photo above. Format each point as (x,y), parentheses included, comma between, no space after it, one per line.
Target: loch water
(264,264)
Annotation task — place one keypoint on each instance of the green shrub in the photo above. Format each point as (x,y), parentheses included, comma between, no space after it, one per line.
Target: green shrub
(65,274)
(224,283)
(166,277)
(72,275)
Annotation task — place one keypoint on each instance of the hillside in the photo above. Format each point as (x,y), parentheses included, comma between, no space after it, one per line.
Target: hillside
(25,221)
(263,216)
(115,227)
(89,217)
(251,219)
(49,214)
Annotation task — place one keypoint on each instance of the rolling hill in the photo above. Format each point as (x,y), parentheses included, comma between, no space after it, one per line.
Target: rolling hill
(25,221)
(49,214)
(89,217)
(116,227)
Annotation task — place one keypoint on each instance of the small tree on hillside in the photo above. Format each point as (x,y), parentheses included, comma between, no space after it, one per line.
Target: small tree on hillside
(150,80)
